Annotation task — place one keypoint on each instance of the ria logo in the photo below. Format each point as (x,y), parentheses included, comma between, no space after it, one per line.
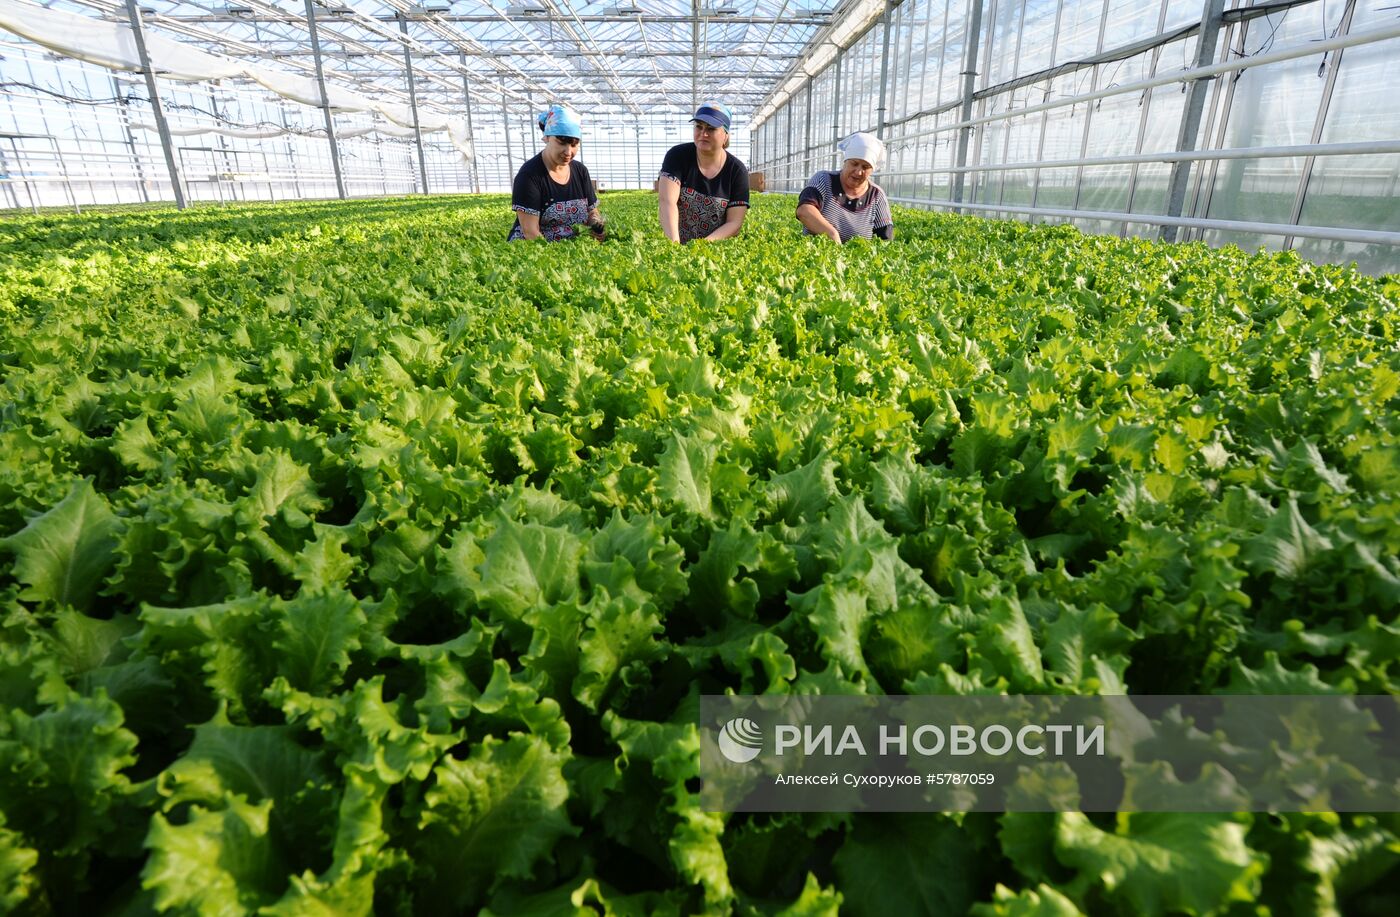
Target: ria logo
(741,740)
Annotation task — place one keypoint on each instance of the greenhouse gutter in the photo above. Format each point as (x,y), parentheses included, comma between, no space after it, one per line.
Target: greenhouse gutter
(1358,148)
(1329,233)
(1326,233)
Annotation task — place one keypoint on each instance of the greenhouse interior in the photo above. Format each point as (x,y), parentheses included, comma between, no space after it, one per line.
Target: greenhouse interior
(700,457)
(1264,124)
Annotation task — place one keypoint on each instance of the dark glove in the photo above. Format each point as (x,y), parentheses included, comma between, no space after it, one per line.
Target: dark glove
(597,225)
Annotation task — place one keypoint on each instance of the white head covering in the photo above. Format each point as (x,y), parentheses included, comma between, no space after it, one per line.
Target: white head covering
(863,146)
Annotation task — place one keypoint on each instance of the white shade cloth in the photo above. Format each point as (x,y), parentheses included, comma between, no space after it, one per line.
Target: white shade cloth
(113,45)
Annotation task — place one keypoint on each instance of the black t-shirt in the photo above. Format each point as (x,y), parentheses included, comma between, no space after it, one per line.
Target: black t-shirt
(559,207)
(704,201)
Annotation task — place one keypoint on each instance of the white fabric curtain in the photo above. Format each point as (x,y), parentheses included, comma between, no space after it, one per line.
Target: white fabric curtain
(113,45)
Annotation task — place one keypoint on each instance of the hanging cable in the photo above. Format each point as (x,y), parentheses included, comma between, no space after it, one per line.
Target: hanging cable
(7,84)
(132,98)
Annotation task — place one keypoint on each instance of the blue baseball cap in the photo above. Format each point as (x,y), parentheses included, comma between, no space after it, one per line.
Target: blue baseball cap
(715,114)
(561,121)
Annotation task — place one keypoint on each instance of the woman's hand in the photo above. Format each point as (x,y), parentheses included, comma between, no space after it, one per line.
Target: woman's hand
(596,224)
(811,217)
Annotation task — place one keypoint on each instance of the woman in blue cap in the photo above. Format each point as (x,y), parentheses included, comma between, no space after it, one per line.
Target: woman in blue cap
(703,190)
(553,191)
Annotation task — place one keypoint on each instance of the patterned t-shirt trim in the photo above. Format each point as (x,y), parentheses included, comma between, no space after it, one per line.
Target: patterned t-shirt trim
(557,221)
(700,214)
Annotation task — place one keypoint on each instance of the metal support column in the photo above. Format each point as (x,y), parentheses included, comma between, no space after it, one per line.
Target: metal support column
(637,144)
(224,152)
(10,193)
(531,127)
(1089,110)
(1218,108)
(694,55)
(325,100)
(63,171)
(134,14)
(287,145)
(290,149)
(471,130)
(836,109)
(122,108)
(969,75)
(1191,116)
(1333,66)
(1143,120)
(788,149)
(20,165)
(807,137)
(1045,115)
(1008,178)
(884,72)
(1238,115)
(383,170)
(505,121)
(413,104)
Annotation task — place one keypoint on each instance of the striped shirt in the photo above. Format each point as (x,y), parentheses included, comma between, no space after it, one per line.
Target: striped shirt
(864,216)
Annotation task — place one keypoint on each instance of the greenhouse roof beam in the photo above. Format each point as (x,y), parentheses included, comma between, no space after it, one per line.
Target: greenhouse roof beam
(837,34)
(221,42)
(526,79)
(652,19)
(569,52)
(651,53)
(582,37)
(389,54)
(797,19)
(498,15)
(500,55)
(767,38)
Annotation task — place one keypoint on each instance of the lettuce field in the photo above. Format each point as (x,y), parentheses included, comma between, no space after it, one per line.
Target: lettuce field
(353,560)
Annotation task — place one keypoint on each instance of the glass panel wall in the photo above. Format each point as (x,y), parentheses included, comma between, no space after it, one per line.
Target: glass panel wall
(1273,105)
(1062,85)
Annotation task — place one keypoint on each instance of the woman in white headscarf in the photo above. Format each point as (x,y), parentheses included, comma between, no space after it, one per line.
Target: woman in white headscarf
(845,204)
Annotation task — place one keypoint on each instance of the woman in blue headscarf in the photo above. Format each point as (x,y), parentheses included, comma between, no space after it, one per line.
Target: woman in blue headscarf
(553,191)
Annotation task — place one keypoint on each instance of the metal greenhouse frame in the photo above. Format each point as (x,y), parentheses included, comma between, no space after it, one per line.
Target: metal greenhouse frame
(1265,124)
(1269,123)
